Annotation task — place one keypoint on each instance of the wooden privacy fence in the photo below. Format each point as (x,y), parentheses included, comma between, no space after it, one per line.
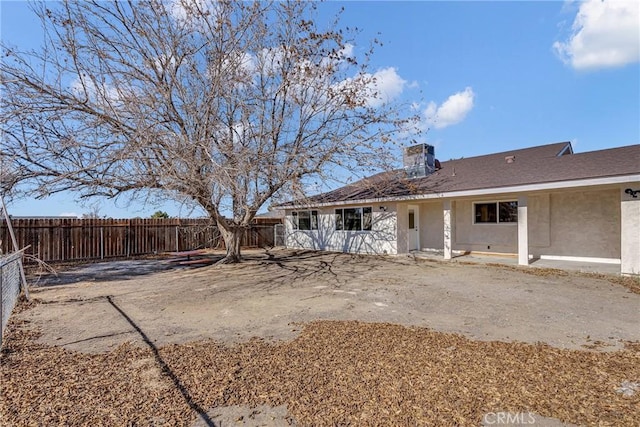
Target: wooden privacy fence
(65,239)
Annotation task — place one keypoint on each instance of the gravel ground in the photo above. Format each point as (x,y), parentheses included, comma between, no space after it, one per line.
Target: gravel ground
(323,339)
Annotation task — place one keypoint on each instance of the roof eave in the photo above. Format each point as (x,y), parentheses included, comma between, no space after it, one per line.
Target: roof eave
(542,186)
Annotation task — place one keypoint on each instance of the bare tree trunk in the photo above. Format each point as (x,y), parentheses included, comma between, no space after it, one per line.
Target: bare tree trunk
(232,241)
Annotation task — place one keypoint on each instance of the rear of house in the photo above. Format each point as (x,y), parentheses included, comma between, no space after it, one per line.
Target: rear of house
(538,202)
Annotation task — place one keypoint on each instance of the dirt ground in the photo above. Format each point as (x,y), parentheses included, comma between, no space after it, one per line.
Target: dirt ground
(311,325)
(272,292)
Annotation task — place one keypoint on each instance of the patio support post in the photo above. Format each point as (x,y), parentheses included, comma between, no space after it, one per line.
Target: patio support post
(448,228)
(523,232)
(630,229)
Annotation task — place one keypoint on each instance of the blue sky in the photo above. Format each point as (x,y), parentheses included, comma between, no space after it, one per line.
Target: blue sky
(486,76)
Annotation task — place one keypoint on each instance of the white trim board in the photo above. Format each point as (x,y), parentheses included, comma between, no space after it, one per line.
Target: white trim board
(580,259)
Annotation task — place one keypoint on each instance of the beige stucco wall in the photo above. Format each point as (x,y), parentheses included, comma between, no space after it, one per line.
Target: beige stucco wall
(584,224)
(539,222)
(501,238)
(380,240)
(431,225)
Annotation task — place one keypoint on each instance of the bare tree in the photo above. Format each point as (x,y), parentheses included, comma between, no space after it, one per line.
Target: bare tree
(226,105)
(93,212)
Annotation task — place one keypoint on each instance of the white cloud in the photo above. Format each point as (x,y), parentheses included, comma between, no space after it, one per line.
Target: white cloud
(451,111)
(346,51)
(385,86)
(83,86)
(165,62)
(70,214)
(238,66)
(372,90)
(192,12)
(604,34)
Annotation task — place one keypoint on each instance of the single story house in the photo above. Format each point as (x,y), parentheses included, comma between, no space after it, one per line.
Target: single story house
(541,202)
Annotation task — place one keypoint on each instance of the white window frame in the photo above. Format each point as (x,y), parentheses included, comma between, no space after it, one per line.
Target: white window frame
(362,218)
(497,203)
(313,220)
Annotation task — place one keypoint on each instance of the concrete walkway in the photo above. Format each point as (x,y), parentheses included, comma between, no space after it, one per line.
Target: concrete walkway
(590,267)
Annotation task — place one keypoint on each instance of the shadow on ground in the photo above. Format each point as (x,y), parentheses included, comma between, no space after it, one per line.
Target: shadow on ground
(294,264)
(109,271)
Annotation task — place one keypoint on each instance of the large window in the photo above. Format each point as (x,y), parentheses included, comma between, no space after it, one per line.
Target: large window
(495,212)
(353,219)
(304,220)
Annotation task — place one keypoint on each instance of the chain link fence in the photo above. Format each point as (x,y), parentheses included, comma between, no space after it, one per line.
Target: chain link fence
(9,287)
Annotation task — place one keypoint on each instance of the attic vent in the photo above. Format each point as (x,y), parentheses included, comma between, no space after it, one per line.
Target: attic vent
(419,160)
(510,159)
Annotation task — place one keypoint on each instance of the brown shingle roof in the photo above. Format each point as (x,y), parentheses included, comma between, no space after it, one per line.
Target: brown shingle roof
(535,165)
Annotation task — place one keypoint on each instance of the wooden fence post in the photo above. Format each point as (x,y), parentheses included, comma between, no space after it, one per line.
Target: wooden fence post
(129,238)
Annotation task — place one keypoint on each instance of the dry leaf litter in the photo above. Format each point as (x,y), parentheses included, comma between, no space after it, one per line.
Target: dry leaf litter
(334,373)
